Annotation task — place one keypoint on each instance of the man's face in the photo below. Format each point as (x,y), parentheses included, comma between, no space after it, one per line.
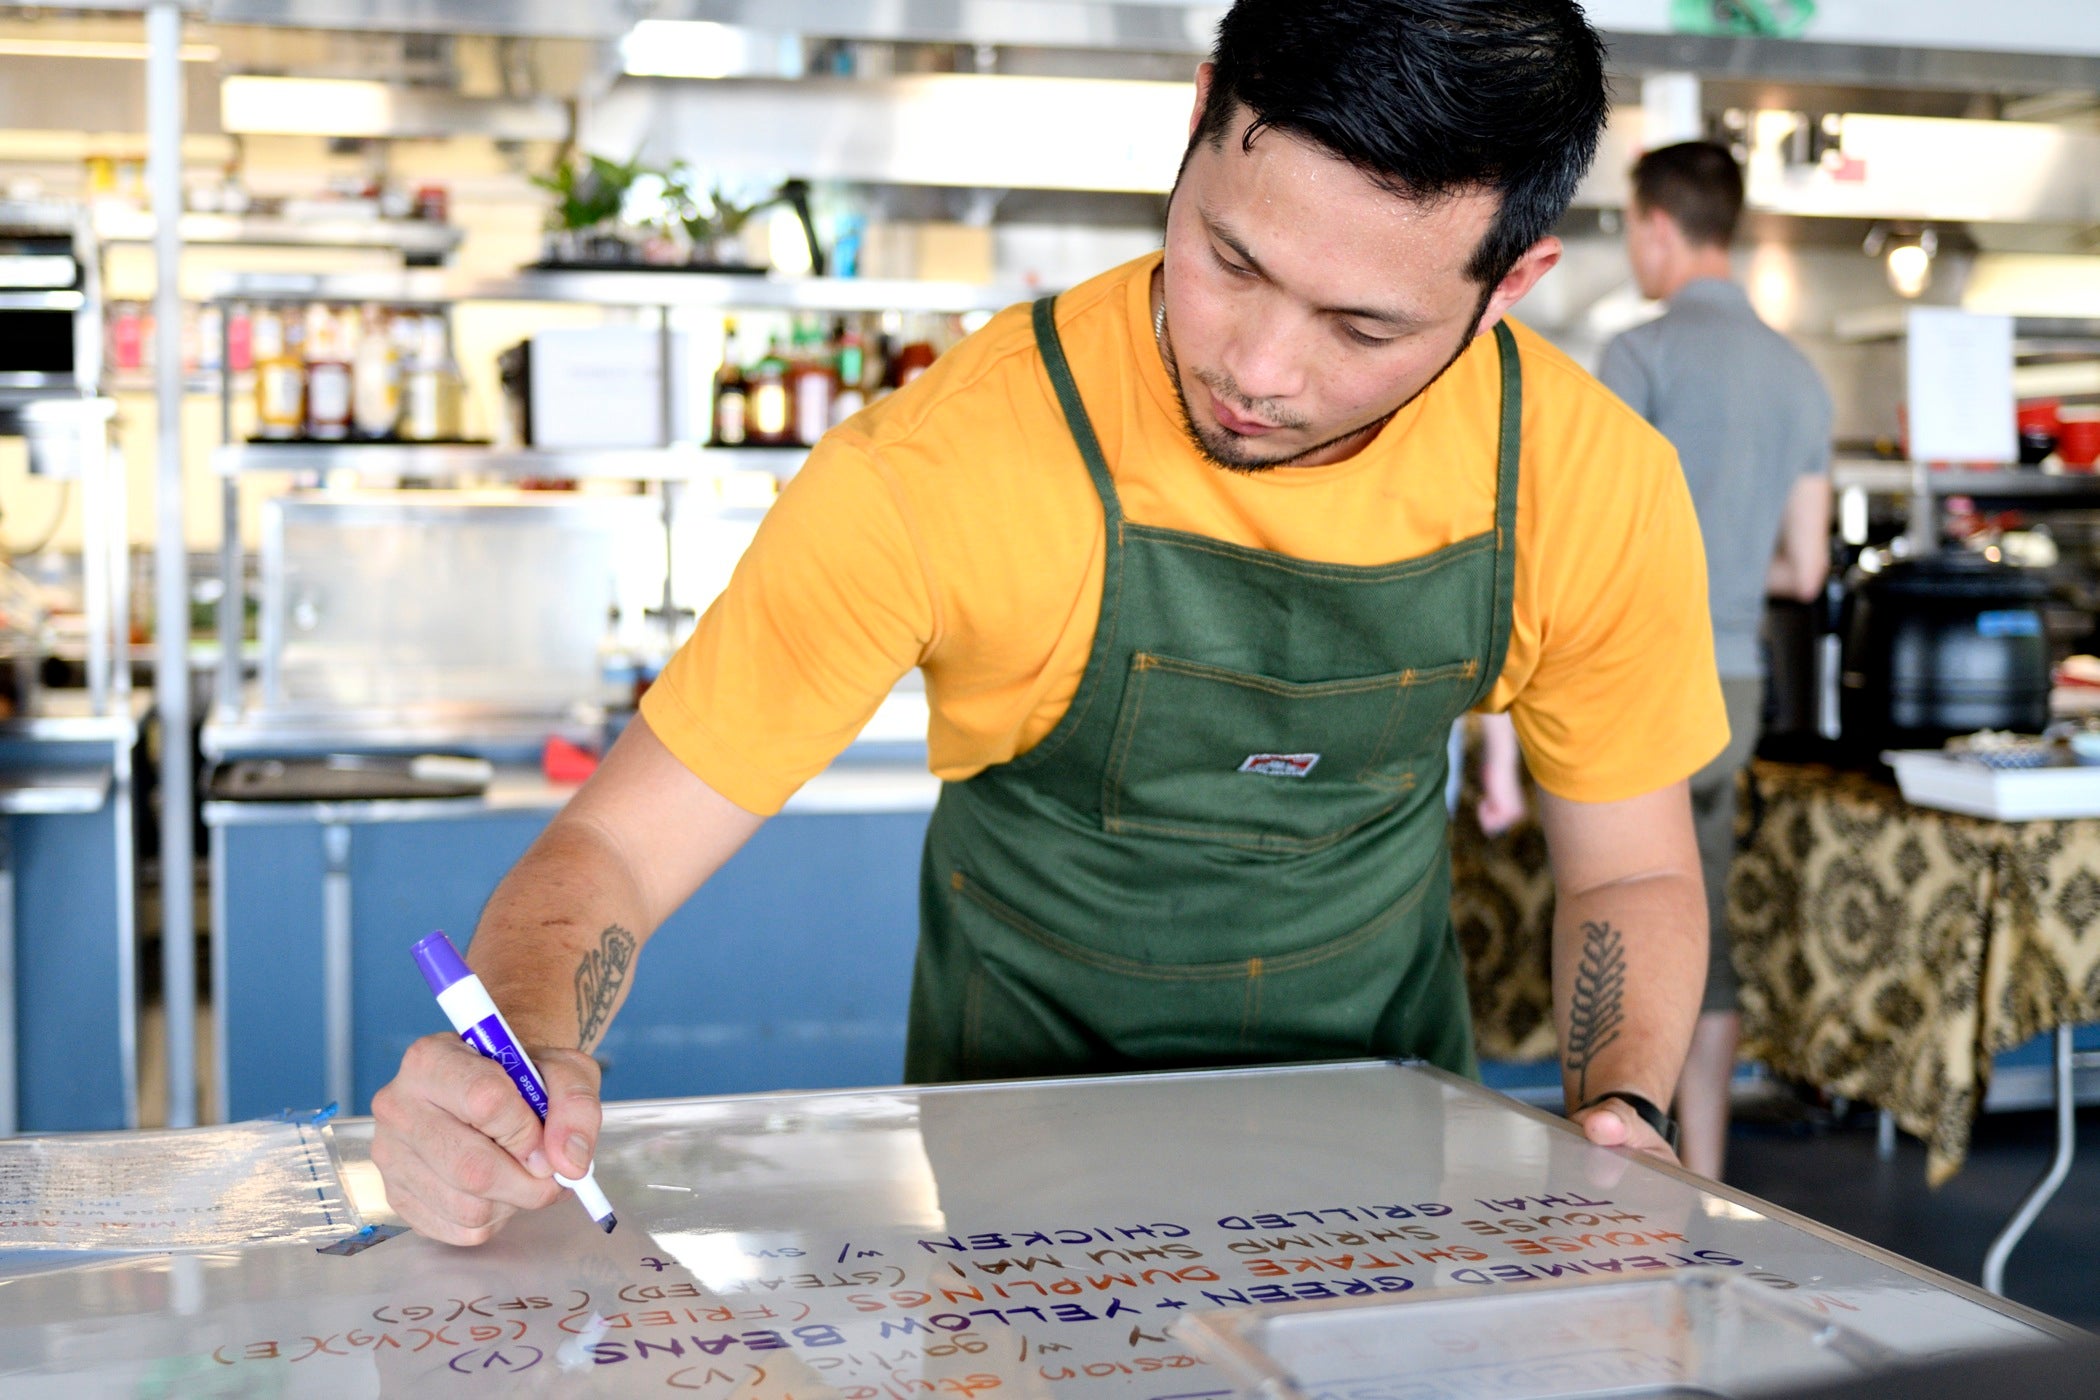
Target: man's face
(1305,305)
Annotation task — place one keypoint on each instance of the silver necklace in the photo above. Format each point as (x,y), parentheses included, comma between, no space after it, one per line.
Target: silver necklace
(1159,324)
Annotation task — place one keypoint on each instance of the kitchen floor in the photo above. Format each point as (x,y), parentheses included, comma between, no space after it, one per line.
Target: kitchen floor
(1828,1171)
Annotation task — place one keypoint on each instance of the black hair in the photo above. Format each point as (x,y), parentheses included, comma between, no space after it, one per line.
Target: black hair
(1698,184)
(1430,98)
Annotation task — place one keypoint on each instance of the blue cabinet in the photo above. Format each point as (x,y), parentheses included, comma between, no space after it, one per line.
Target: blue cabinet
(790,969)
(68,936)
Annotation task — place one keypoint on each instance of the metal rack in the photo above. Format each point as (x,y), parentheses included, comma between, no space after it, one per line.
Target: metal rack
(2054,356)
(663,289)
(670,467)
(680,462)
(1918,479)
(417,240)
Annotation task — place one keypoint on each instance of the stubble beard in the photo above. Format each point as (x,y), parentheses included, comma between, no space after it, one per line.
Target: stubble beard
(1223,449)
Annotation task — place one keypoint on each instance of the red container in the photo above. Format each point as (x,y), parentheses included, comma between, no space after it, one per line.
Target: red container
(2037,415)
(2078,441)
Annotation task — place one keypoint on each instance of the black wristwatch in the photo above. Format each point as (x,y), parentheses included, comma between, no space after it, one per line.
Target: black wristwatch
(1644,1108)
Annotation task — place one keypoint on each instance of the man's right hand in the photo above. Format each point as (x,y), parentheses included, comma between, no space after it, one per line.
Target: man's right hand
(460,1151)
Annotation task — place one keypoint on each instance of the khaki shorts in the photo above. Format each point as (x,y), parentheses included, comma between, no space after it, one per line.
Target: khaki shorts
(1713,822)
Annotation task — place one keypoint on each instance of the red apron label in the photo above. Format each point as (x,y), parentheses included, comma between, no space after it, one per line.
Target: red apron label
(1280,765)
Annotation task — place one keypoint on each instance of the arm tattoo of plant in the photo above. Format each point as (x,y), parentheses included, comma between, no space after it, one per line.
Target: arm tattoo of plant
(1596,1011)
(599,979)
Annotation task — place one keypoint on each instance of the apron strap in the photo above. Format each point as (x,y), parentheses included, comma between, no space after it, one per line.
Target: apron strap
(1081,426)
(1508,448)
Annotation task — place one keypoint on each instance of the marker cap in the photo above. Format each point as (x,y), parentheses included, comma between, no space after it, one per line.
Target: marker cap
(441,963)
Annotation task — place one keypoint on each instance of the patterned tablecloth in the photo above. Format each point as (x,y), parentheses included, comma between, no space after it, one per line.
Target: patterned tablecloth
(1886,951)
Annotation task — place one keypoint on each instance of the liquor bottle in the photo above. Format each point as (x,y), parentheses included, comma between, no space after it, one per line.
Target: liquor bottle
(430,386)
(127,336)
(811,385)
(732,396)
(280,377)
(240,339)
(616,668)
(853,374)
(913,360)
(882,356)
(375,380)
(770,424)
(211,337)
(327,376)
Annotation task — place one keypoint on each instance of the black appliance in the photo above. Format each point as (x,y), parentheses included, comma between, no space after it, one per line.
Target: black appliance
(50,304)
(1942,645)
(1803,659)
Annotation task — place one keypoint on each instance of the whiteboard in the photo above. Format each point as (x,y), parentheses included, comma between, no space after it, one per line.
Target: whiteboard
(1033,1240)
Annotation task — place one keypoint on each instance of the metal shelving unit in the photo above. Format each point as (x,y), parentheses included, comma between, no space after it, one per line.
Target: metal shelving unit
(1879,323)
(2053,357)
(194,383)
(417,240)
(1916,478)
(668,289)
(681,462)
(670,467)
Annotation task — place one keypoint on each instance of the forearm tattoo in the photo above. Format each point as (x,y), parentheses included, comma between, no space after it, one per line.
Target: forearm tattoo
(1597,1009)
(599,979)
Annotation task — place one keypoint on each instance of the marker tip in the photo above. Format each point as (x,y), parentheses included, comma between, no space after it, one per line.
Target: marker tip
(610,1221)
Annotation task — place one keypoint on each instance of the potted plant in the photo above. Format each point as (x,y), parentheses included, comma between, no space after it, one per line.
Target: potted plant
(713,222)
(584,224)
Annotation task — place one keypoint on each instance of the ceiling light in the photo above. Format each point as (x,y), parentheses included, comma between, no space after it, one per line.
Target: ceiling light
(1907,257)
(1910,269)
(681,48)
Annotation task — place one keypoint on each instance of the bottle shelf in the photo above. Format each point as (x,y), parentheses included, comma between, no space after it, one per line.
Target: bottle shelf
(437,461)
(196,381)
(412,238)
(666,288)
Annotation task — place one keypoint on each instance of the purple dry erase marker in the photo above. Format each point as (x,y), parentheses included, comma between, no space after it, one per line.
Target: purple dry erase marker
(467,1005)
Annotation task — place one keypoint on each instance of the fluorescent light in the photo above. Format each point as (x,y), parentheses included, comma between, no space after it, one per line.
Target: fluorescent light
(306,106)
(100,48)
(252,104)
(699,48)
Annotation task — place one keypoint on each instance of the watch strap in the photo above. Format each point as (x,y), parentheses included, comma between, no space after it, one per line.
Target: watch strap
(1645,1109)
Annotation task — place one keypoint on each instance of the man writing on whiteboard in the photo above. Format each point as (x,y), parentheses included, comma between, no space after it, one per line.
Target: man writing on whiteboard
(1200,561)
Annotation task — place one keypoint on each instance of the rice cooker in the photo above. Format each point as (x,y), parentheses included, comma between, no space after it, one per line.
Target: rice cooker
(1942,645)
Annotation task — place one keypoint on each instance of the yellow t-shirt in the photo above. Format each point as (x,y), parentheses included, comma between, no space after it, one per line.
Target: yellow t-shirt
(952,526)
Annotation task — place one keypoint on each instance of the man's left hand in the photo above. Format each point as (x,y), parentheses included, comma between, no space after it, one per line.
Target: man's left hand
(1615,1124)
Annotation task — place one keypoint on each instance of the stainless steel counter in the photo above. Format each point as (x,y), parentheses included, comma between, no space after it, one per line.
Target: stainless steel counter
(852,788)
(1041,1239)
(68,715)
(884,770)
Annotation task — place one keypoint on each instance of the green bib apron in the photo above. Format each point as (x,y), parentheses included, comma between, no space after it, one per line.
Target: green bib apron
(1231,849)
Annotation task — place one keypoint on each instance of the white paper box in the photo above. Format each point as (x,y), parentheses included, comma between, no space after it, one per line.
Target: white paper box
(1930,778)
(599,386)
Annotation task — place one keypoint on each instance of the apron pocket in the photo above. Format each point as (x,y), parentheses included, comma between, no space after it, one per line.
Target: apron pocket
(1209,754)
(1034,1002)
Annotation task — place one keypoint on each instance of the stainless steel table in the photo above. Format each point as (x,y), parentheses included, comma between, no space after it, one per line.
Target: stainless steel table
(1039,1239)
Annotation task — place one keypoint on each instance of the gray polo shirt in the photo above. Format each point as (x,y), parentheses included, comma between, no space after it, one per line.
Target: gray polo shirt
(1749,416)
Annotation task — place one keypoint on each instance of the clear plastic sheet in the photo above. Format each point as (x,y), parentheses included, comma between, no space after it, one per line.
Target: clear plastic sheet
(195,1189)
(1704,1334)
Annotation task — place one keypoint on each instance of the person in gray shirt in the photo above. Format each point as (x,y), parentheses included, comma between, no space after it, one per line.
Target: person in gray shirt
(1751,421)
